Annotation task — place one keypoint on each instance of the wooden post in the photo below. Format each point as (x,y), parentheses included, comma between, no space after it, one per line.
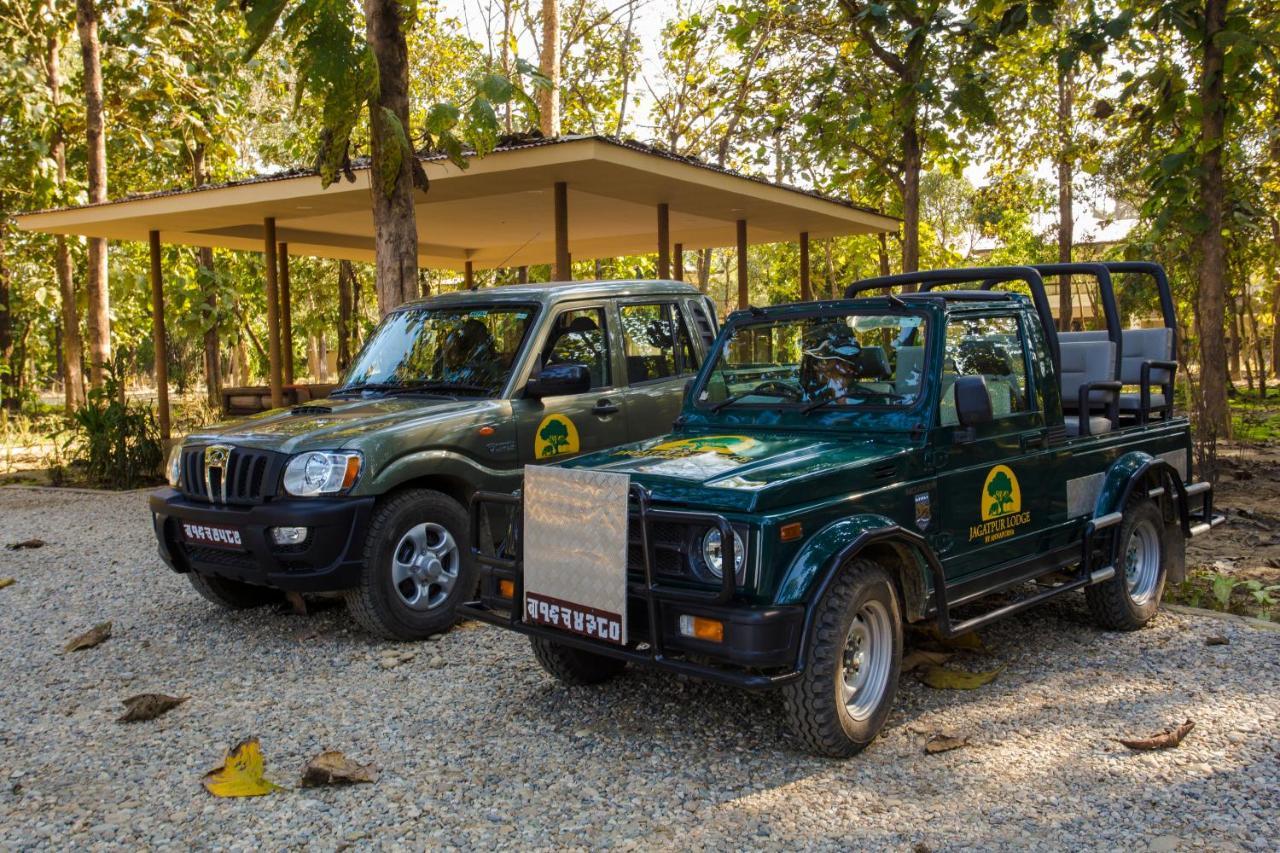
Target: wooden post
(564,267)
(286,315)
(274,373)
(664,242)
(468,276)
(744,297)
(806,290)
(522,274)
(159,339)
(679,259)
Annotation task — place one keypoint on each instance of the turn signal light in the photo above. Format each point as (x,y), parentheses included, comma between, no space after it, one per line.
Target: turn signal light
(701,628)
(353,471)
(507,588)
(789,532)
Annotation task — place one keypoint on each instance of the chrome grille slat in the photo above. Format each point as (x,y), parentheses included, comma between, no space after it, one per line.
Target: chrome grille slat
(250,475)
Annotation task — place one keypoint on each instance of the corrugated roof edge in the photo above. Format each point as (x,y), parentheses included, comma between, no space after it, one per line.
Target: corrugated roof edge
(513,145)
(560,290)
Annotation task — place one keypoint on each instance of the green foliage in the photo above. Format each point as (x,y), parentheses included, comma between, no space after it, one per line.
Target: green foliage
(118,442)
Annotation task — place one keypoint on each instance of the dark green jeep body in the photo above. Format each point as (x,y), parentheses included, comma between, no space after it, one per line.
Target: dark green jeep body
(894,475)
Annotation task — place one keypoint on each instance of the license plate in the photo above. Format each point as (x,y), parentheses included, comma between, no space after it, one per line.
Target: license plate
(575,551)
(213,535)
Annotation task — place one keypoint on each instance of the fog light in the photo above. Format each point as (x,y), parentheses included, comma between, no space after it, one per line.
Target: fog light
(699,628)
(507,588)
(289,535)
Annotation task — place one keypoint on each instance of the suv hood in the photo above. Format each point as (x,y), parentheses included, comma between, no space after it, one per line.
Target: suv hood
(333,423)
(755,471)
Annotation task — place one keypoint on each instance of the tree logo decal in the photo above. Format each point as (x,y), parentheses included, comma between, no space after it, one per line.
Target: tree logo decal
(556,436)
(723,445)
(1000,493)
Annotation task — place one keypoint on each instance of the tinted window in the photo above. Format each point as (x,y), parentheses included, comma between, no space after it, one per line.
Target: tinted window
(578,337)
(650,341)
(990,347)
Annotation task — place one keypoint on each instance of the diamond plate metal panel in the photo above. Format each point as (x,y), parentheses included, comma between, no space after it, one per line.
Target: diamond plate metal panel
(575,548)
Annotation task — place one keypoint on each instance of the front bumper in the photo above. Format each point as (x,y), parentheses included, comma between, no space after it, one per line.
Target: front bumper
(330,559)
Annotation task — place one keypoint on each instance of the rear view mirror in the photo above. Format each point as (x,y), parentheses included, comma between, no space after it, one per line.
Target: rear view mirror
(555,380)
(973,401)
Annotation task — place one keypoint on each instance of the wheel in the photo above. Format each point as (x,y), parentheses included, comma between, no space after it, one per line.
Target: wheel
(417,568)
(233,595)
(575,666)
(839,703)
(1127,601)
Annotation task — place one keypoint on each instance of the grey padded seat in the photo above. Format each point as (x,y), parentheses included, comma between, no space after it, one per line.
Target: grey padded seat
(1085,361)
(1136,346)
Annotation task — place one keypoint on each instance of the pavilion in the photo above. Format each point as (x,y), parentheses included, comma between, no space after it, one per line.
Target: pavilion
(537,201)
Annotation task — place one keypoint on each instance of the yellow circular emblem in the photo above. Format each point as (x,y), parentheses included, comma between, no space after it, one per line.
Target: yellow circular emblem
(556,436)
(1000,493)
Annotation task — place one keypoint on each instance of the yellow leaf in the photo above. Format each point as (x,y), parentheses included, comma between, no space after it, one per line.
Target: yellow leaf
(955,679)
(240,774)
(6,582)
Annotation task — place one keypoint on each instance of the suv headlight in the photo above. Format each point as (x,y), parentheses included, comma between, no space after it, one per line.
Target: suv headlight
(173,468)
(320,473)
(713,553)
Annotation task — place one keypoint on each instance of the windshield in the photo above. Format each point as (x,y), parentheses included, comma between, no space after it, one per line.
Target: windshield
(453,350)
(853,359)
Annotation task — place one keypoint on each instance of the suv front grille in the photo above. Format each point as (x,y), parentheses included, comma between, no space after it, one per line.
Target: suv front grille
(672,545)
(250,476)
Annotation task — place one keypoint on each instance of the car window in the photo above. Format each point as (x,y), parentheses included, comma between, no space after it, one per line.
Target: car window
(687,356)
(650,342)
(578,336)
(991,347)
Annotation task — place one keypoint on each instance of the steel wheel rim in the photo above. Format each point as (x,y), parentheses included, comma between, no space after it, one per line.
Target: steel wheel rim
(867,660)
(424,566)
(1142,562)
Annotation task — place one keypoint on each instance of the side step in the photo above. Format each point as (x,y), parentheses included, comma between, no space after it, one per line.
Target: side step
(1097,576)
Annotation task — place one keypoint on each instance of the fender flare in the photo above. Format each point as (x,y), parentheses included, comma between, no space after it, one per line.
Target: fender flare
(1132,471)
(445,464)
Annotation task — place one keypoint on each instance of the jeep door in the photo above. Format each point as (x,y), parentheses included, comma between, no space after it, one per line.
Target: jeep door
(991,478)
(660,356)
(555,428)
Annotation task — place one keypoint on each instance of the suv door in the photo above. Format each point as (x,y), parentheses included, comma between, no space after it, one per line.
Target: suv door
(555,428)
(660,356)
(997,505)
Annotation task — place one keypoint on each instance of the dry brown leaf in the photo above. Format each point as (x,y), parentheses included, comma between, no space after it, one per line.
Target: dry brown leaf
(6,582)
(1216,640)
(25,544)
(1167,739)
(90,638)
(944,743)
(240,774)
(333,768)
(918,658)
(297,603)
(148,706)
(942,678)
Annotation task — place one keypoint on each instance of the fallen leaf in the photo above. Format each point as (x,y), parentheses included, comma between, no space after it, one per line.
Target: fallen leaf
(148,706)
(296,603)
(6,582)
(240,774)
(1166,739)
(26,544)
(90,638)
(1216,640)
(944,743)
(942,678)
(333,768)
(968,642)
(918,658)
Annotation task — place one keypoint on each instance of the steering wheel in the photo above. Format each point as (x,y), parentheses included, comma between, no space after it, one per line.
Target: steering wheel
(779,389)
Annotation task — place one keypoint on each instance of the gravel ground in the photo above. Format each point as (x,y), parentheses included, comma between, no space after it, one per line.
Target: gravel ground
(478,748)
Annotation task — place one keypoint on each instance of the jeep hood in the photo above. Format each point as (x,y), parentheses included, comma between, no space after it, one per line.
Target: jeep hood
(333,423)
(753,472)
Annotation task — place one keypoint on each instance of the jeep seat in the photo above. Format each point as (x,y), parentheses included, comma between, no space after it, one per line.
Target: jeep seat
(1088,378)
(1138,347)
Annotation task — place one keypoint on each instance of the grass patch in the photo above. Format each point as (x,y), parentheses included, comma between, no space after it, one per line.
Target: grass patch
(1227,594)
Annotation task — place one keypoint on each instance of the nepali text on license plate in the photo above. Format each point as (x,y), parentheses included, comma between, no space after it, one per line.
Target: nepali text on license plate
(209,534)
(575,618)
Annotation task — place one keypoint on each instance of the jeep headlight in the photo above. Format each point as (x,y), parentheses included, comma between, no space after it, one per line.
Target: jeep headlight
(320,473)
(713,552)
(173,468)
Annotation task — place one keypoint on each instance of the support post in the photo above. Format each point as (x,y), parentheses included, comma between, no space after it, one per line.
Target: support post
(564,268)
(678,253)
(806,289)
(522,274)
(744,297)
(274,373)
(468,276)
(664,242)
(159,339)
(286,314)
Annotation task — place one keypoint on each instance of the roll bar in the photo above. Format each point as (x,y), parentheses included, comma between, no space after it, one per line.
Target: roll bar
(1109,308)
(988,276)
(1162,286)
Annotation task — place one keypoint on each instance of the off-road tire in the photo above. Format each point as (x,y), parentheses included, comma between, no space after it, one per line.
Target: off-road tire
(572,666)
(1110,601)
(815,703)
(374,602)
(232,595)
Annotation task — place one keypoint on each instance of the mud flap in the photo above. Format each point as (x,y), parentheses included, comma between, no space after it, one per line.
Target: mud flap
(1175,553)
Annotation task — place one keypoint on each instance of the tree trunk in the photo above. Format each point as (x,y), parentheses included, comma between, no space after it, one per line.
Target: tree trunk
(394,218)
(911,162)
(1235,341)
(204,259)
(830,269)
(1275,295)
(72,356)
(1216,421)
(549,98)
(346,299)
(1066,212)
(624,64)
(97,288)
(9,368)
(506,62)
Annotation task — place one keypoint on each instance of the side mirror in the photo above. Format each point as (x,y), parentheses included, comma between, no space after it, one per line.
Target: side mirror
(973,401)
(555,380)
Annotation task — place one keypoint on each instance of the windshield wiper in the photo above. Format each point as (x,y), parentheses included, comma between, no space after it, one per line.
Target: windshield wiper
(733,398)
(442,385)
(880,395)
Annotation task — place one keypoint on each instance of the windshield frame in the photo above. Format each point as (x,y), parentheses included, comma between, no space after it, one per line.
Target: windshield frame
(504,390)
(831,309)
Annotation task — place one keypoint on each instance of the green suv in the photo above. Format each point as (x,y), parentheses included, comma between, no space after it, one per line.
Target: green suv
(843,468)
(366,492)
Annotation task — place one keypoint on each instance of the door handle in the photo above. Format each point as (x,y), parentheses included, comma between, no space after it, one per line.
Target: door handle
(604,407)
